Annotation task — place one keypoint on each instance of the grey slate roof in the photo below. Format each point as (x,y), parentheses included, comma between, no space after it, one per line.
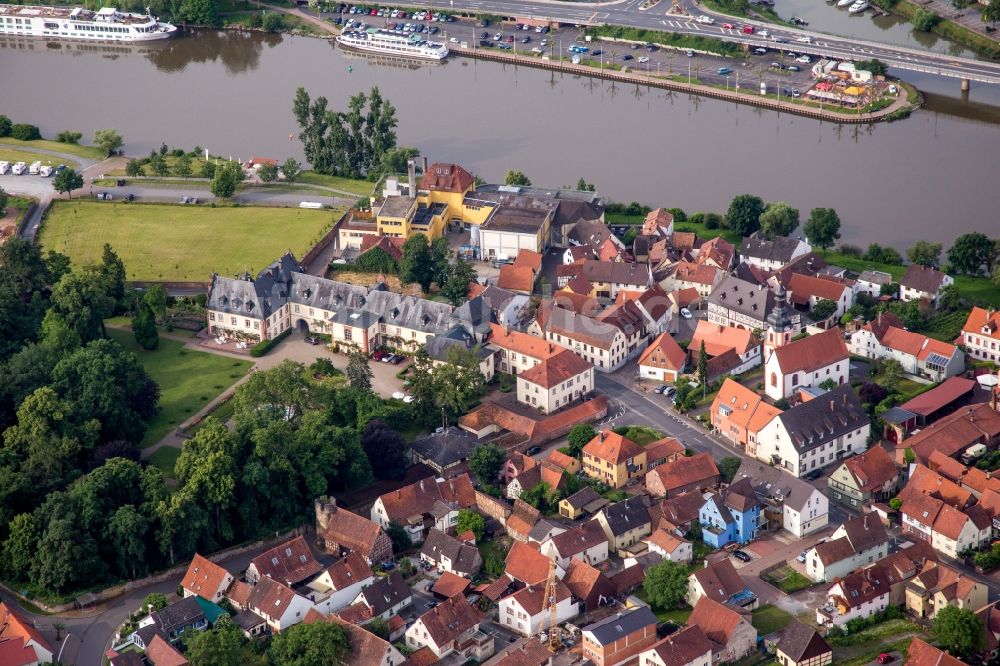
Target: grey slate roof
(755,301)
(581,328)
(616,627)
(627,515)
(780,248)
(247,620)
(770,481)
(180,614)
(465,559)
(543,529)
(146,633)
(437,347)
(528,191)
(386,592)
(589,232)
(834,414)
(445,448)
(582,498)
(498,297)
(800,642)
(516,220)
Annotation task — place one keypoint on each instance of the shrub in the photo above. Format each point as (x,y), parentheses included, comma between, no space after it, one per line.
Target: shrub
(69,137)
(265,346)
(5,125)
(272,22)
(924,20)
(25,132)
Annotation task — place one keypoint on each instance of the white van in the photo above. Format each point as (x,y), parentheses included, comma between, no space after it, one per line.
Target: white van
(19,168)
(45,171)
(34,168)
(763,88)
(4,168)
(310,204)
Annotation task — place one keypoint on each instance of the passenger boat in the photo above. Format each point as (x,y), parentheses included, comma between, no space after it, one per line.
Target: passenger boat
(105,25)
(859,6)
(375,40)
(845,3)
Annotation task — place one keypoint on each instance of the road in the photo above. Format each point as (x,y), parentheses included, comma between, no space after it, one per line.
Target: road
(627,13)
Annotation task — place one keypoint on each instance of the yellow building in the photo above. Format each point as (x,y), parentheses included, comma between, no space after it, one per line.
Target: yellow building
(433,206)
(613,459)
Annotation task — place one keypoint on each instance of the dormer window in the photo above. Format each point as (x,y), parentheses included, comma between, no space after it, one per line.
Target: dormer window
(249,306)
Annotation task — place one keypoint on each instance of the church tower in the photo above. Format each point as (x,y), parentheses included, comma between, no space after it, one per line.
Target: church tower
(779,324)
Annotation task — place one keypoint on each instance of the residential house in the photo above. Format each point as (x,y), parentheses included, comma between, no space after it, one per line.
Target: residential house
(871,282)
(687,647)
(566,463)
(517,351)
(339,531)
(625,523)
(425,504)
(601,344)
(730,515)
(385,597)
(289,563)
(670,546)
(742,304)
(277,604)
(856,595)
(738,414)
(990,615)
(721,583)
(658,222)
(771,254)
(588,584)
(921,653)
(806,291)
(655,305)
(981,334)
(663,360)
(173,620)
(452,627)
(731,634)
(542,472)
(938,586)
(628,580)
(916,353)
(555,382)
(902,566)
(858,542)
(923,283)
(613,459)
(526,612)
(618,638)
(703,278)
(787,502)
(159,652)
(523,518)
(20,641)
(447,553)
(697,472)
(955,433)
(582,503)
(606,277)
(365,647)
(526,564)
(869,477)
(586,542)
(949,530)
(936,483)
(439,351)
(206,579)
(340,583)
(717,252)
(721,339)
(801,645)
(443,450)
(662,451)
(516,464)
(679,513)
(509,308)
(628,318)
(817,433)
(807,363)
(524,652)
(449,585)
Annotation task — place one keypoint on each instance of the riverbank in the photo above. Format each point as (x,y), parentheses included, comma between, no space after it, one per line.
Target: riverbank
(983,45)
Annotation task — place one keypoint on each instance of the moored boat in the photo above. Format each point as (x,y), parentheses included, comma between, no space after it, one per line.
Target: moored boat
(374,40)
(105,25)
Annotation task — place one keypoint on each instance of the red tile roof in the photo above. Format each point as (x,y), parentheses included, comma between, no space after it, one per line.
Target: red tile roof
(803,286)
(872,469)
(664,353)
(686,470)
(419,497)
(448,620)
(391,246)
(687,271)
(289,563)
(921,653)
(422,657)
(204,578)
(14,652)
(560,459)
(239,594)
(446,178)
(748,407)
(579,539)
(532,597)
(348,571)
(665,540)
(14,628)
(516,278)
(628,579)
(529,258)
(527,564)
(584,579)
(161,653)
(916,344)
(719,622)
(556,369)
(940,396)
(522,518)
(351,531)
(270,598)
(981,318)
(719,339)
(812,352)
(612,447)
(663,449)
(449,585)
(685,297)
(951,434)
(923,481)
(526,652)
(655,219)
(718,250)
(685,647)
(522,343)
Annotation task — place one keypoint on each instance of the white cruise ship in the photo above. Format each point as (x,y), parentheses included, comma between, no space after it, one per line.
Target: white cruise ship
(105,25)
(383,41)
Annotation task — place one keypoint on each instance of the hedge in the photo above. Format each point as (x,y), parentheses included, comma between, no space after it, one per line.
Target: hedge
(265,346)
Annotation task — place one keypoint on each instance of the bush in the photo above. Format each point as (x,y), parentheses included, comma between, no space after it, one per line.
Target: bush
(924,20)
(713,221)
(272,22)
(69,137)
(5,125)
(25,132)
(265,346)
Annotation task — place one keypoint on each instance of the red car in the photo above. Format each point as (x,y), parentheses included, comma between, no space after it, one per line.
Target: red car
(373,12)
(727,26)
(748,30)
(884,658)
(377,356)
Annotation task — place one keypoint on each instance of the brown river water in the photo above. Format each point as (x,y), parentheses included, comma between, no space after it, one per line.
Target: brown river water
(928,177)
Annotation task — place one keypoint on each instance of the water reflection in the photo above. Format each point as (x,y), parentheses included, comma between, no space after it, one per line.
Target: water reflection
(239,52)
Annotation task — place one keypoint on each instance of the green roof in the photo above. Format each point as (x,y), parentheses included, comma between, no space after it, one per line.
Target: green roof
(212,611)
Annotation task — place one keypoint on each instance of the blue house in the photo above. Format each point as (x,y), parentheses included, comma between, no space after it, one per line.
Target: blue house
(731,515)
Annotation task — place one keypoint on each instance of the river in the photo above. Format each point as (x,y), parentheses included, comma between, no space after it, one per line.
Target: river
(928,177)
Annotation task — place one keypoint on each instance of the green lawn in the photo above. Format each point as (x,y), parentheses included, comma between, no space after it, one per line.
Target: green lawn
(14,155)
(182,243)
(89,152)
(362,188)
(165,458)
(768,619)
(188,380)
(641,435)
(223,413)
(788,580)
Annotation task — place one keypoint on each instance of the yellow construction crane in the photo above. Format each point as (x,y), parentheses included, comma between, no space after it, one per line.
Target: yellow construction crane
(552,599)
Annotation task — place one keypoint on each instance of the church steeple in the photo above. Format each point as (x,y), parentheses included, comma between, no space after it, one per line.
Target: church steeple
(779,324)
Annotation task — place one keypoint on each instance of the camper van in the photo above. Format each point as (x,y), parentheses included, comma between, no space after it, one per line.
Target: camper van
(4,168)
(19,168)
(35,168)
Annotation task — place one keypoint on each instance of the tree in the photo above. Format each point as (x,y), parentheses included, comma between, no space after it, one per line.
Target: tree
(112,271)
(516,178)
(875,66)
(290,169)
(5,125)
(401,541)
(3,201)
(133,168)
(959,631)
(578,437)
(206,470)
(144,327)
(268,172)
(416,264)
(155,601)
(924,20)
(584,186)
(66,181)
(995,277)
(538,496)
(470,520)
(226,180)
(156,298)
(19,548)
(665,585)
(972,253)
(222,645)
(823,310)
(872,394)
(924,253)
(127,531)
(359,373)
(182,167)
(991,14)
(743,216)
(272,22)
(456,287)
(322,367)
(890,373)
(822,229)
(317,644)
(69,137)
(779,219)
(158,165)
(950,299)
(486,461)
(728,467)
(883,255)
(440,260)
(828,384)
(208,170)
(446,387)
(25,132)
(82,298)
(386,450)
(108,140)
(702,367)
(200,12)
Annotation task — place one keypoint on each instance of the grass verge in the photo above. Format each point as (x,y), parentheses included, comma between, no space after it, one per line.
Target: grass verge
(362,188)
(676,40)
(189,243)
(981,44)
(768,619)
(14,155)
(188,380)
(88,152)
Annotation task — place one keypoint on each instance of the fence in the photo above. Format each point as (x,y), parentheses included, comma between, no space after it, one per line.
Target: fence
(24,218)
(322,245)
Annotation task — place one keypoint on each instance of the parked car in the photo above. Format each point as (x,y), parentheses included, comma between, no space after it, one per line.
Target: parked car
(801,557)
(661,388)
(684,311)
(184,200)
(748,30)
(760,50)
(727,26)
(804,59)
(816,473)
(707,20)
(388,358)
(742,555)
(670,392)
(643,59)
(792,68)
(378,355)
(724,70)
(129,197)
(690,53)
(312,339)
(777,65)
(806,39)
(885,658)
(534,450)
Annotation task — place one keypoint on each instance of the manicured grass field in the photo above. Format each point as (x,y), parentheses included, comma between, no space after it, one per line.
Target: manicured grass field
(767,619)
(362,188)
(89,152)
(188,380)
(14,155)
(182,243)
